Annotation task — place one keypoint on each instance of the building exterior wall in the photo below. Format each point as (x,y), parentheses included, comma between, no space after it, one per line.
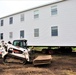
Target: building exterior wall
(64,20)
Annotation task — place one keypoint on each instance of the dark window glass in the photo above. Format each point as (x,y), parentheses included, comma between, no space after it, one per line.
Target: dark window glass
(1,22)
(36,14)
(22,34)
(11,20)
(54,31)
(36,32)
(1,36)
(54,10)
(10,34)
(22,17)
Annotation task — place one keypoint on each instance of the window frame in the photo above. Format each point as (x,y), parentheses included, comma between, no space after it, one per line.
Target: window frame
(10,35)
(54,10)
(36,32)
(1,22)
(11,20)
(1,36)
(54,31)
(22,17)
(22,34)
(36,14)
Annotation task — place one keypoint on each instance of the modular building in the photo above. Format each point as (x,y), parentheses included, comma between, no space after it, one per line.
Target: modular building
(53,24)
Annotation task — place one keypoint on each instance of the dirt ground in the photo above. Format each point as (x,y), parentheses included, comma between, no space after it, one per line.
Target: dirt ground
(62,64)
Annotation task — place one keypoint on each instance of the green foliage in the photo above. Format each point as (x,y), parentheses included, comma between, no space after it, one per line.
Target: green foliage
(74,49)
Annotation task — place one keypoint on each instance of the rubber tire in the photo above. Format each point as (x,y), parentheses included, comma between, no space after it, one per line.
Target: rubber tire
(44,51)
(4,59)
(50,52)
(24,61)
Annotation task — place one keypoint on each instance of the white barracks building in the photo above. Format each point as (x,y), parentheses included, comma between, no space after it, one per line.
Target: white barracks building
(52,24)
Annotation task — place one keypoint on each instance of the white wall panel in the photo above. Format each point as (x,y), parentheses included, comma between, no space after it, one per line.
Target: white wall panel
(65,20)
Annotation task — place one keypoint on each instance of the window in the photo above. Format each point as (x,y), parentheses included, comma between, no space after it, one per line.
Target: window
(54,31)
(22,17)
(21,43)
(53,10)
(1,23)
(11,20)
(36,14)
(10,35)
(1,36)
(22,34)
(36,32)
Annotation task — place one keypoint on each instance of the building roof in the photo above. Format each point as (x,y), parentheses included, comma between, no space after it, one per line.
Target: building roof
(33,8)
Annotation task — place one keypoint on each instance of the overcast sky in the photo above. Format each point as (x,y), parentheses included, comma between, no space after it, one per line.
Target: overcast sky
(8,7)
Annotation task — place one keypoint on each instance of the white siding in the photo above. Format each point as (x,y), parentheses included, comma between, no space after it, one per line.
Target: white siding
(65,20)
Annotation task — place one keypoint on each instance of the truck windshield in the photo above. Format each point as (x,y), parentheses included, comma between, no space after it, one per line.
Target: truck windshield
(20,43)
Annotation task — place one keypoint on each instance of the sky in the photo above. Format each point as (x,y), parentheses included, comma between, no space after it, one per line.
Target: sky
(8,7)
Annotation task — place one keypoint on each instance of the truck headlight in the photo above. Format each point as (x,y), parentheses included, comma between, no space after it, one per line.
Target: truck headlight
(11,49)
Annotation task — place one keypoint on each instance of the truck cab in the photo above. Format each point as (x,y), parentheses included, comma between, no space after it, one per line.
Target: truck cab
(21,43)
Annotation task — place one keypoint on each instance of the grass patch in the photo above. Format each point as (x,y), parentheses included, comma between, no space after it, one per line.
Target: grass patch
(39,48)
(73,49)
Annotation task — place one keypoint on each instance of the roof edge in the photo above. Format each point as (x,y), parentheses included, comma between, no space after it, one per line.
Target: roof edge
(34,8)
